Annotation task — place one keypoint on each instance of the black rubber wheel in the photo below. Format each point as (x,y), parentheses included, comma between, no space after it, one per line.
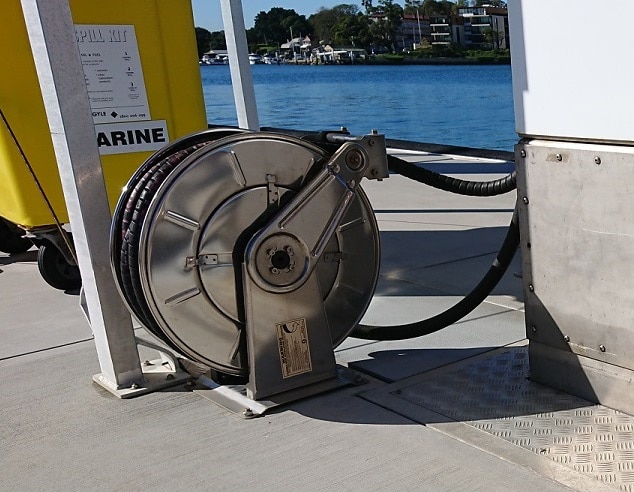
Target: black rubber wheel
(11,240)
(55,270)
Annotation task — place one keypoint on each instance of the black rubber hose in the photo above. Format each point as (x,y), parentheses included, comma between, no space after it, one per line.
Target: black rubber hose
(134,216)
(457,311)
(453,185)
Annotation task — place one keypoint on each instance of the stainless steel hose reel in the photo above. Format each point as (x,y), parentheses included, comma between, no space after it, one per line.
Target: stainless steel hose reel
(252,253)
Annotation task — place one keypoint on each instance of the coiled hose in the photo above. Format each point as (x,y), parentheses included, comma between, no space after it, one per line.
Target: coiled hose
(490,279)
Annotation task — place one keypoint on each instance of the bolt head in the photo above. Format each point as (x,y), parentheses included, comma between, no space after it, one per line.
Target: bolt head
(525,200)
(566,338)
(558,157)
(602,348)
(134,386)
(522,153)
(597,160)
(354,160)
(531,287)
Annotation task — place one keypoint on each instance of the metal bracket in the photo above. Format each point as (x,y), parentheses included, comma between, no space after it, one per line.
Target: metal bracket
(194,261)
(208,259)
(158,374)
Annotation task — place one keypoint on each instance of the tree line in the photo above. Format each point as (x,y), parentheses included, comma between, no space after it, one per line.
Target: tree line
(344,24)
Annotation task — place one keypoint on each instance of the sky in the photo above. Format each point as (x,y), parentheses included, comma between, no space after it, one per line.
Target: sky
(207,12)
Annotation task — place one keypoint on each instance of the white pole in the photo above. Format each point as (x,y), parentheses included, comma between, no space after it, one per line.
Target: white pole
(52,35)
(241,80)
(420,36)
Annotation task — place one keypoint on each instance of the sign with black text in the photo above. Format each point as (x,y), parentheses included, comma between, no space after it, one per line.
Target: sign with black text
(137,136)
(112,69)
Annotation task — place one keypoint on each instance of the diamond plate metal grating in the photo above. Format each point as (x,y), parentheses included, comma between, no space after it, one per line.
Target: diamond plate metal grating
(494,395)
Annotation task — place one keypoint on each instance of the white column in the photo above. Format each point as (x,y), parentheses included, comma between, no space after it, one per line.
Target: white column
(241,80)
(52,35)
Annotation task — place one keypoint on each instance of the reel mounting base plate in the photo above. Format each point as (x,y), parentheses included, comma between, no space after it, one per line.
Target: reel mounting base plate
(157,375)
(234,397)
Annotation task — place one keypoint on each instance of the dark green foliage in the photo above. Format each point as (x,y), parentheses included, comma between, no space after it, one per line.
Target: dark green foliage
(277,26)
(218,41)
(203,41)
(327,22)
(388,16)
(429,7)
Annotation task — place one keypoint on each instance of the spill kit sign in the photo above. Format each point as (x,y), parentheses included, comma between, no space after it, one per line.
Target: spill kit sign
(112,68)
(116,90)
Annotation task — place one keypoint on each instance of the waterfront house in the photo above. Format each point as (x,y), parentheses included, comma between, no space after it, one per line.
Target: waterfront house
(215,57)
(297,48)
(414,31)
(339,55)
(484,27)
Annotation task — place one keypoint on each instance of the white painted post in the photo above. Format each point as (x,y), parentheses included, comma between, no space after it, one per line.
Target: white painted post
(241,80)
(52,35)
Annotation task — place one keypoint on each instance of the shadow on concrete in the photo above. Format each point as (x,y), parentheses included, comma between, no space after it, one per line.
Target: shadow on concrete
(409,362)
(29,256)
(443,262)
(494,385)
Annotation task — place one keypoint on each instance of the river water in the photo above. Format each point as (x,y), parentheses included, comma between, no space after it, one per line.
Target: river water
(459,105)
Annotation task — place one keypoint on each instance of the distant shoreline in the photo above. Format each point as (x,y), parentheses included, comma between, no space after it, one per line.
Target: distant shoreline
(406,60)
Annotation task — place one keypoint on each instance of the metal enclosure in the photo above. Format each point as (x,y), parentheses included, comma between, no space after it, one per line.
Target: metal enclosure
(570,80)
(576,197)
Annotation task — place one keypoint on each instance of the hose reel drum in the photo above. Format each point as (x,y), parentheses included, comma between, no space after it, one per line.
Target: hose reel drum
(252,253)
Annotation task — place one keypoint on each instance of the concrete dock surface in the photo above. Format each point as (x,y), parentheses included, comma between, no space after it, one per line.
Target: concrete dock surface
(450,411)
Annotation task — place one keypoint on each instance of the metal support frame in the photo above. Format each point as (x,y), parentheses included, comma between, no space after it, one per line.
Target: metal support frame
(241,80)
(52,36)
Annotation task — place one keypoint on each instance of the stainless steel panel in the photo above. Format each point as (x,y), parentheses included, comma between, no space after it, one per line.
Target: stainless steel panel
(577,225)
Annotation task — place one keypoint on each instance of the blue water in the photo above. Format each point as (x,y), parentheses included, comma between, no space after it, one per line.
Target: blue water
(459,105)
